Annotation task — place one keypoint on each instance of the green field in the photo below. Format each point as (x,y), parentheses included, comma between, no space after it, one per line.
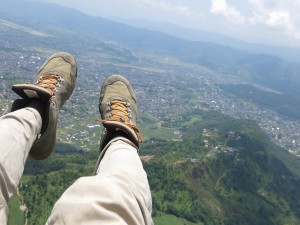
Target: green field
(16,216)
(165,219)
(193,119)
(85,134)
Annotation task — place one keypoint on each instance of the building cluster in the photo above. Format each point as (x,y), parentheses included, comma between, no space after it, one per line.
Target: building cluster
(165,90)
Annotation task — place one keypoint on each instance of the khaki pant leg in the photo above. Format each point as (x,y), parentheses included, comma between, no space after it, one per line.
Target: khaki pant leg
(18,131)
(118,194)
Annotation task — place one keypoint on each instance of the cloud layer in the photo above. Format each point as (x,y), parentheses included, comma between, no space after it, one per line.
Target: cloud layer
(271,17)
(220,7)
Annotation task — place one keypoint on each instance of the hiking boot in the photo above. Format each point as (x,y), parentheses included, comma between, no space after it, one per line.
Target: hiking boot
(53,85)
(117,106)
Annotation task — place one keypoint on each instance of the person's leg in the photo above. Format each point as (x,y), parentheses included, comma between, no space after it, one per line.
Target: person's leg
(121,162)
(119,192)
(31,128)
(18,131)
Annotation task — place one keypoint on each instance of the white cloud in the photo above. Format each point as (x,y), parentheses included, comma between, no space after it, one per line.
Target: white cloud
(257,3)
(277,18)
(220,7)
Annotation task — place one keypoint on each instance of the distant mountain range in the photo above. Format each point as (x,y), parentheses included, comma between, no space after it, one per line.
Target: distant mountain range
(291,54)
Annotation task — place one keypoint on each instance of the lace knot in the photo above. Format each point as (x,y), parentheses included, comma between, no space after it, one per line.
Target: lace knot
(119,111)
(49,82)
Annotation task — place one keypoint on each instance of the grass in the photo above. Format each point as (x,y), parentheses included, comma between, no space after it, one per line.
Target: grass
(85,134)
(194,118)
(81,134)
(154,131)
(151,128)
(165,219)
(16,216)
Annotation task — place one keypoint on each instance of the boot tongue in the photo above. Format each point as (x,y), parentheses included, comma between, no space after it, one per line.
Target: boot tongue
(31,91)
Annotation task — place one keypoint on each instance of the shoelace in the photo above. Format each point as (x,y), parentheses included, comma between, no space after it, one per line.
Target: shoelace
(121,113)
(49,82)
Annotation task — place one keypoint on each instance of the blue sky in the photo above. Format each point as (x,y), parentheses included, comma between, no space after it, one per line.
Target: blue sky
(274,22)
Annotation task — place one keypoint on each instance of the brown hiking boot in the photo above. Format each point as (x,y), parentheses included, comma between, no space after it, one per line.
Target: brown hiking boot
(53,85)
(117,106)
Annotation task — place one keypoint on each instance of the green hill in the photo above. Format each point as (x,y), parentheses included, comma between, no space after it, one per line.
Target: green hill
(286,105)
(229,174)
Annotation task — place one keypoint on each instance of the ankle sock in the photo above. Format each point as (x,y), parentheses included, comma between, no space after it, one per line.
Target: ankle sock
(38,106)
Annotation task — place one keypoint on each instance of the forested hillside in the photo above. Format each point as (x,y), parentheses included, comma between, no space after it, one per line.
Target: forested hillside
(225,171)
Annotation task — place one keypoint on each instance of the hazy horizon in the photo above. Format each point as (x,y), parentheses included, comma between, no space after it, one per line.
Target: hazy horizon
(259,21)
